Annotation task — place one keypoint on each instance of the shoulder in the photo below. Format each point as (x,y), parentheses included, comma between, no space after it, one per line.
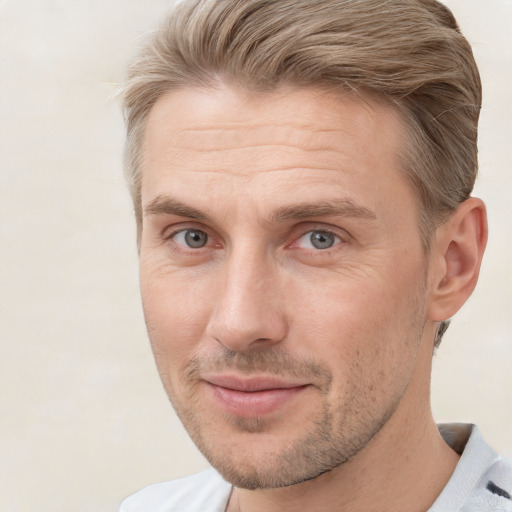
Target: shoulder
(482,480)
(494,489)
(206,492)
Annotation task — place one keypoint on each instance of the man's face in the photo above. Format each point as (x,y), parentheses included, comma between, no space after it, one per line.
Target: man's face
(282,276)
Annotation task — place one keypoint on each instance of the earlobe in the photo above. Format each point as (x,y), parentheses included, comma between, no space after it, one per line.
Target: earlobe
(460,245)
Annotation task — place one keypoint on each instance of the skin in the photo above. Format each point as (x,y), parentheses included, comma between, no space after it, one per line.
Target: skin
(348,327)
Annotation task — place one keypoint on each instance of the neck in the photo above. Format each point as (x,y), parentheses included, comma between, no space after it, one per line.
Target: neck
(403,468)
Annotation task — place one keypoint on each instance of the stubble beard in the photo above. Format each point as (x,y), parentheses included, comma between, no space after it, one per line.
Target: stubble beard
(339,432)
(332,439)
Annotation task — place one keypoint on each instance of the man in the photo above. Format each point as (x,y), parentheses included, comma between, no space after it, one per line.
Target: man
(301,172)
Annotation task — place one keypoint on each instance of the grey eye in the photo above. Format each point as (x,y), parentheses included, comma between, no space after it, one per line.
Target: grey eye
(194,238)
(322,239)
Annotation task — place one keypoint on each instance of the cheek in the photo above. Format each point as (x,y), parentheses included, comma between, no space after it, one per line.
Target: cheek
(366,338)
(340,306)
(368,320)
(176,310)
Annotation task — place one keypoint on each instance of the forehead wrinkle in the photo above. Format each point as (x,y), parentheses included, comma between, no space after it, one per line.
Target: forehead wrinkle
(261,158)
(251,158)
(203,149)
(250,174)
(234,136)
(233,126)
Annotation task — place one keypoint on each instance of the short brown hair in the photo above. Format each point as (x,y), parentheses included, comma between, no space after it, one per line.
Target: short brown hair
(408,53)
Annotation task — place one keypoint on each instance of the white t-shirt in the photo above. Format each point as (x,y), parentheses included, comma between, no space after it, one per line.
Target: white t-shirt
(481,482)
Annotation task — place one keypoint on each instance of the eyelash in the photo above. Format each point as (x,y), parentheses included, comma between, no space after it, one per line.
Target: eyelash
(345,241)
(169,234)
(342,239)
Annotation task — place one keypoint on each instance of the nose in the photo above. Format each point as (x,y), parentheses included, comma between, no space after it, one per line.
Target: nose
(249,310)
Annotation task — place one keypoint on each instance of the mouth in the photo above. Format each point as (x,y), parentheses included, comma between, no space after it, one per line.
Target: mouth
(254,396)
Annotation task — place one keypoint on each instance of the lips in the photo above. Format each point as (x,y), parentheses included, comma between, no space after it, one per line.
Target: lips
(254,396)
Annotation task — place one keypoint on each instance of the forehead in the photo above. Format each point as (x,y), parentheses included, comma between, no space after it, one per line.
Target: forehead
(223,117)
(290,140)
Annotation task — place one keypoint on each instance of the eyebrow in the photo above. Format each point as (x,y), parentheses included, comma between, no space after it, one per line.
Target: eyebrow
(333,208)
(164,205)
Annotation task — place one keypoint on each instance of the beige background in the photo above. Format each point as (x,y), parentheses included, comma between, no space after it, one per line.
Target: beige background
(83,419)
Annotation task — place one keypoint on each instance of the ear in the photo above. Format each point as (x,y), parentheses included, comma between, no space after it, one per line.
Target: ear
(456,258)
